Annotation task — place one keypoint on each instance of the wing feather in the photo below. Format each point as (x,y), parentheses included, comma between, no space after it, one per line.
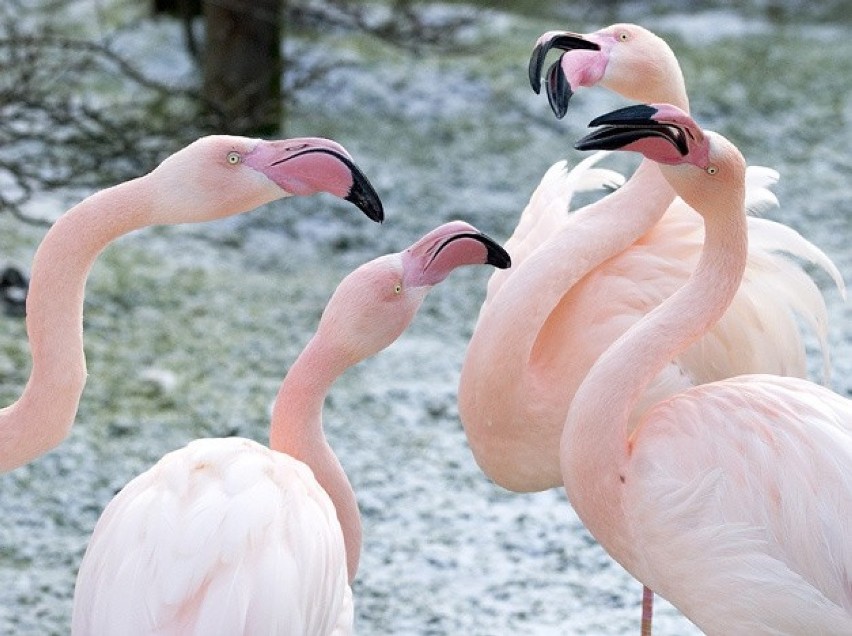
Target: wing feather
(223,536)
(548,208)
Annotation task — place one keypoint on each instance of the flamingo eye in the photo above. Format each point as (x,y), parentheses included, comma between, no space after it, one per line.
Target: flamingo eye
(234,157)
(397,289)
(623,36)
(711,170)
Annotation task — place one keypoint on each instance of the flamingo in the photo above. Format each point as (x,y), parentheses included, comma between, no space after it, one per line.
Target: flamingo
(638,64)
(213,177)
(732,499)
(579,281)
(226,536)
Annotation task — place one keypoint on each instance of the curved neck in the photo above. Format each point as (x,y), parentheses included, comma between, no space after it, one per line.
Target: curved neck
(594,234)
(296,429)
(41,418)
(596,437)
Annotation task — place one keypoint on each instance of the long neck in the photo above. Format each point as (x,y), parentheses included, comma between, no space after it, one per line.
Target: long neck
(595,233)
(296,429)
(595,442)
(43,415)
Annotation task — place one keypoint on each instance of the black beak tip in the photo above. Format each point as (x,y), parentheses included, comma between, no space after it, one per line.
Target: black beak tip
(365,197)
(497,255)
(564,42)
(637,114)
(559,91)
(536,62)
(560,106)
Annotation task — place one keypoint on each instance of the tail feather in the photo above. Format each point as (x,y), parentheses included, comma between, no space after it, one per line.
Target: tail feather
(777,237)
(774,249)
(551,201)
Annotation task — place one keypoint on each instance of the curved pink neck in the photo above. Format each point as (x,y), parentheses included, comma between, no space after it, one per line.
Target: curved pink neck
(43,415)
(296,429)
(595,440)
(595,233)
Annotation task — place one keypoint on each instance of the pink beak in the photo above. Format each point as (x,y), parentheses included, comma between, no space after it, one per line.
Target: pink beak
(431,259)
(307,165)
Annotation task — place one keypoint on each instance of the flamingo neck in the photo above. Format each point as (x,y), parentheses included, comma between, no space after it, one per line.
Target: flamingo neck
(596,439)
(502,350)
(593,234)
(296,430)
(41,418)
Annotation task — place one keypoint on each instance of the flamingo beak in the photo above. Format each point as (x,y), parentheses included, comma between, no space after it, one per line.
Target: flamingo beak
(431,259)
(624,127)
(308,165)
(362,193)
(558,87)
(496,255)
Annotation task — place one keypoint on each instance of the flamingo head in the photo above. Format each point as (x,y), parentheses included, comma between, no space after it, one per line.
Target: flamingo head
(374,304)
(661,132)
(222,175)
(625,58)
(668,135)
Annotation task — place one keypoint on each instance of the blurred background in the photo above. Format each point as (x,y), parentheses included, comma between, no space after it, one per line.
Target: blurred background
(189,329)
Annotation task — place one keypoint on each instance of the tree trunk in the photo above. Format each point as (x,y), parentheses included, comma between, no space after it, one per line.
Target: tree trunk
(177,8)
(242,63)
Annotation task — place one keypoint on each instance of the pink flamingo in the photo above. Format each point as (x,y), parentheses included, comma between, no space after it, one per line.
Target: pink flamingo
(214,177)
(733,499)
(579,281)
(638,64)
(226,536)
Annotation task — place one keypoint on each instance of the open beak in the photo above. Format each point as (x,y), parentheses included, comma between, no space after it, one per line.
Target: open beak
(562,40)
(631,124)
(558,88)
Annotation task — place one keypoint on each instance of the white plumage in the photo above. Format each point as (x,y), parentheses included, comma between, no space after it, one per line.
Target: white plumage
(770,509)
(239,528)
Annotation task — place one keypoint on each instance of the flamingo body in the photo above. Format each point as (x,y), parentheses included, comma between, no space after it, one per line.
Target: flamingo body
(573,290)
(240,532)
(742,487)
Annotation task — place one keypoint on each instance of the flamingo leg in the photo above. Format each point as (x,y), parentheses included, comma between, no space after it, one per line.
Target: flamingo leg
(647,610)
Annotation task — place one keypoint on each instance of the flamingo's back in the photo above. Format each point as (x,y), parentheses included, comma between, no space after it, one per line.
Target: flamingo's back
(738,496)
(223,536)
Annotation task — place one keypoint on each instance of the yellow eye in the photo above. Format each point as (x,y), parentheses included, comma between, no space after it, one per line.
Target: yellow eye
(234,157)
(623,36)
(397,289)
(711,170)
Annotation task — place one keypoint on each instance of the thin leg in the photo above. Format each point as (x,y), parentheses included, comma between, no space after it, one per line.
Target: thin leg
(647,610)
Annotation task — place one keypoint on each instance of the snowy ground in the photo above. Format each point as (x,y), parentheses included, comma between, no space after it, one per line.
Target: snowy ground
(189,330)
